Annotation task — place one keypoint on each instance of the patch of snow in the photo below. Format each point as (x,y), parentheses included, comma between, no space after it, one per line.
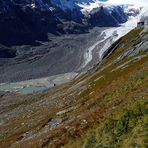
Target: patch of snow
(87,8)
(121,31)
(33,5)
(69,4)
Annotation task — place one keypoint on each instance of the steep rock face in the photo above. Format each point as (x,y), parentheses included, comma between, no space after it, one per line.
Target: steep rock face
(119,14)
(102,17)
(107,16)
(21,22)
(69,4)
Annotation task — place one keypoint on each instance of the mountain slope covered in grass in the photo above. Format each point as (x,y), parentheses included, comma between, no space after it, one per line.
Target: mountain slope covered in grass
(105,107)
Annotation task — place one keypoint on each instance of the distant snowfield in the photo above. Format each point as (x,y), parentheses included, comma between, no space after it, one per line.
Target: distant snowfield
(120,31)
(138,2)
(111,35)
(86,8)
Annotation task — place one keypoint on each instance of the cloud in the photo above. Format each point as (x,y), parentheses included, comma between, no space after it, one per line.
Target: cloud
(138,2)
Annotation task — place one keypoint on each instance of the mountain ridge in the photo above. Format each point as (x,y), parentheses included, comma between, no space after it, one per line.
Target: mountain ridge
(27,21)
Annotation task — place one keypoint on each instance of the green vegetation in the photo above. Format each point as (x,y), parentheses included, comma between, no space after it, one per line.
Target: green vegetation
(117,131)
(111,108)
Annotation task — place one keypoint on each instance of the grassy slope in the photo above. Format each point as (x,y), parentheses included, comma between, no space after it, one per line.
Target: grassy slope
(112,108)
(125,121)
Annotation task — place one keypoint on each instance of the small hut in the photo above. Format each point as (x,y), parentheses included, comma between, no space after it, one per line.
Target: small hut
(141,23)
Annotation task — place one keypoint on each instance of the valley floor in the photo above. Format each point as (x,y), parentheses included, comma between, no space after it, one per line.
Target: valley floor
(62,54)
(56,58)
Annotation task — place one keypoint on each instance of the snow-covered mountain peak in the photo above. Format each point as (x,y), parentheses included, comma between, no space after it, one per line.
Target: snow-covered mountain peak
(58,16)
(87,5)
(86,8)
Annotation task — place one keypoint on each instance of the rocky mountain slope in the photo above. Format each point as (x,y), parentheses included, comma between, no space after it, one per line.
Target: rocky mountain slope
(24,22)
(105,107)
